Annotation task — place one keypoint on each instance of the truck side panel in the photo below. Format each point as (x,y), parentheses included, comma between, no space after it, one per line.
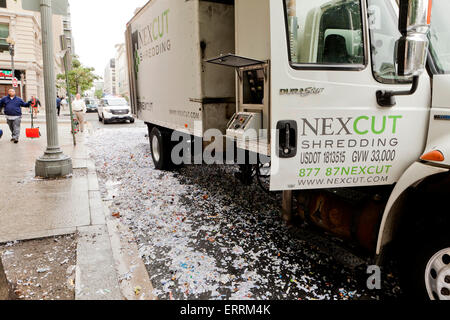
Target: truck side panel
(169,41)
(165,42)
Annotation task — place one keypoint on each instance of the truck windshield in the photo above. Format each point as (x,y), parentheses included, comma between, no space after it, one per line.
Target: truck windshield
(440,35)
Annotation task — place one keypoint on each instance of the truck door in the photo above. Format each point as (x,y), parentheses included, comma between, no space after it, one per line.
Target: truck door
(328,60)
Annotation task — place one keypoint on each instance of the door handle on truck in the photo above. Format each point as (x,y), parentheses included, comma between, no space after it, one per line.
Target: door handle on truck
(287,139)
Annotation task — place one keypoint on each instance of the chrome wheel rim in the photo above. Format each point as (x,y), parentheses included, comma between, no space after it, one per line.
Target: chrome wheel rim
(437,276)
(155,148)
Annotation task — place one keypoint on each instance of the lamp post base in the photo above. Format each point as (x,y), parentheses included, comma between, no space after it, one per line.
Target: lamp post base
(53,165)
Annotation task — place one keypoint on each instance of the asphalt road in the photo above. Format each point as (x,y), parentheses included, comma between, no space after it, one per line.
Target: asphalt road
(96,124)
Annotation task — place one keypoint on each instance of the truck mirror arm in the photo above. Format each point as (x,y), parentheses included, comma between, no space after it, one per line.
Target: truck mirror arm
(387,98)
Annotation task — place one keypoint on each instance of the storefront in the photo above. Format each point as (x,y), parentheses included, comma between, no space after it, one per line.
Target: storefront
(6,82)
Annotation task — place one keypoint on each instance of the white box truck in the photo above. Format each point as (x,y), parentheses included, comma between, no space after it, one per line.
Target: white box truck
(348,100)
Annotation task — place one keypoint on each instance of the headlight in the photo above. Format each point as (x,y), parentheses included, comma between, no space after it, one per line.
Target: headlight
(108,110)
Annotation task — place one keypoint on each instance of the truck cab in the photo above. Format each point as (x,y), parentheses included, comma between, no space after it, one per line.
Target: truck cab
(337,136)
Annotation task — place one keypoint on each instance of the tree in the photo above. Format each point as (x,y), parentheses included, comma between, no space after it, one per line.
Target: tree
(81,78)
(98,94)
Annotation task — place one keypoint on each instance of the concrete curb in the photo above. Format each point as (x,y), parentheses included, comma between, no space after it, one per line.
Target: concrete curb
(135,283)
(5,238)
(95,275)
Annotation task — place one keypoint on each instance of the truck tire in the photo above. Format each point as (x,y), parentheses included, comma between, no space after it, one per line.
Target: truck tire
(425,254)
(161,149)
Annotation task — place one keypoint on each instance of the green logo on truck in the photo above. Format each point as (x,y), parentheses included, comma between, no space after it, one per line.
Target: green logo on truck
(151,40)
(137,61)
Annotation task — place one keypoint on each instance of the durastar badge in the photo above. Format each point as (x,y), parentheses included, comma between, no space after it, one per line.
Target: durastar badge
(303,92)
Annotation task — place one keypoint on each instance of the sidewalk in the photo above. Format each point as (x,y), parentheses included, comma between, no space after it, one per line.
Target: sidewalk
(32,208)
(38,208)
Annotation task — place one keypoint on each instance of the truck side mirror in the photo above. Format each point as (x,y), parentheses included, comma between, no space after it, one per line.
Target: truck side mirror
(412,47)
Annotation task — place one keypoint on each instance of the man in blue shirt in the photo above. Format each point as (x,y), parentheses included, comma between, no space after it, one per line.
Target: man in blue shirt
(13,113)
(58,105)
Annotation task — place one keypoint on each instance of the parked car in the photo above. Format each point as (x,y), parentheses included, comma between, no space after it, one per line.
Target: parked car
(91,105)
(113,110)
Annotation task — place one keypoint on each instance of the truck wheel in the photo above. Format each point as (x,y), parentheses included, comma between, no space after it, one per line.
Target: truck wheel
(105,121)
(437,275)
(161,149)
(425,257)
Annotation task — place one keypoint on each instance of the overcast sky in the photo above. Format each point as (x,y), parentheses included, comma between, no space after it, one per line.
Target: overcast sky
(98,25)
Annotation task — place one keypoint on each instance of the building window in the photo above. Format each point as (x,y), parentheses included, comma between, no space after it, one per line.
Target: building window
(2,3)
(4,34)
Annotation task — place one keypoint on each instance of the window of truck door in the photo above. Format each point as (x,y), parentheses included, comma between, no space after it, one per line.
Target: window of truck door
(384,33)
(325,34)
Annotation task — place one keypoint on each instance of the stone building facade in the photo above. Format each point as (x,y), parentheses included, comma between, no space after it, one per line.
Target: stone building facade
(24,27)
(122,87)
(110,85)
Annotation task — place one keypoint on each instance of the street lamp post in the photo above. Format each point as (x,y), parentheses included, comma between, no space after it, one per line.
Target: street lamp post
(12,44)
(54,163)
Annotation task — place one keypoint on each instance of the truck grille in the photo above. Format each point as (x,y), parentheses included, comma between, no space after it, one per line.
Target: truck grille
(118,112)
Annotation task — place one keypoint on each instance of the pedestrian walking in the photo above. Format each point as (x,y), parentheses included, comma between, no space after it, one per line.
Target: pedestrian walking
(79,108)
(58,105)
(64,103)
(13,112)
(35,104)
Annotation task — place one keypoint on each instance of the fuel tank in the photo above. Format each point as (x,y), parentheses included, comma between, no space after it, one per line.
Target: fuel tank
(348,215)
